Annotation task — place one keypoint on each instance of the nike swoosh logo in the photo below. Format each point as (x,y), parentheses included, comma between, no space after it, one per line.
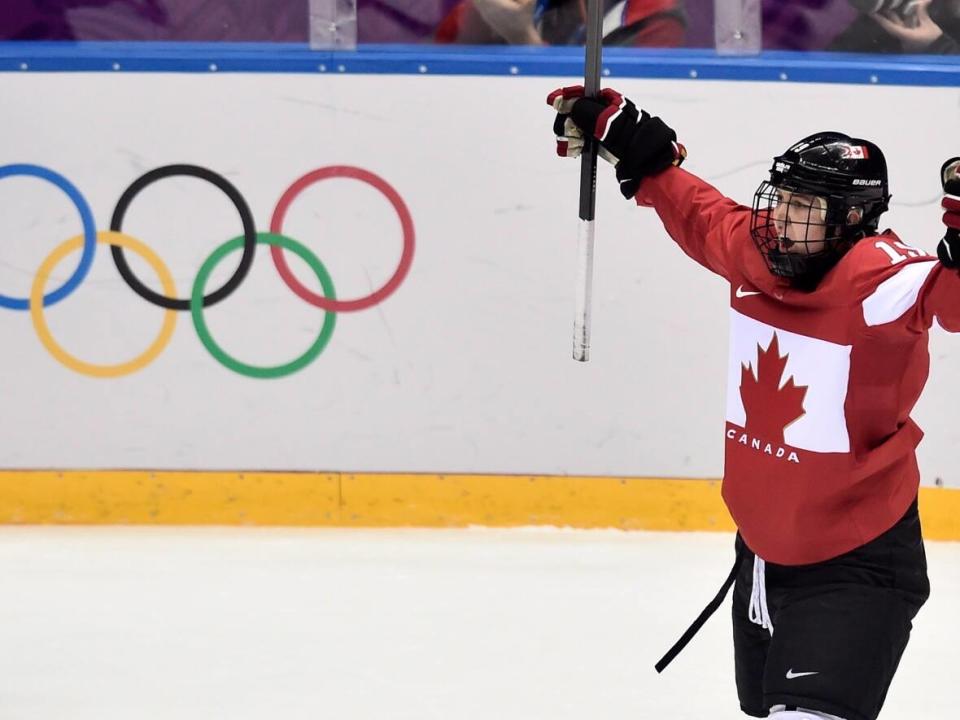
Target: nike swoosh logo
(791,674)
(741,293)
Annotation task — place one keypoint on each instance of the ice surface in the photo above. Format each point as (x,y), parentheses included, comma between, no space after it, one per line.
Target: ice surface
(523,624)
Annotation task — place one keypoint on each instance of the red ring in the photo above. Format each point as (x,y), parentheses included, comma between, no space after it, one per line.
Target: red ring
(406,221)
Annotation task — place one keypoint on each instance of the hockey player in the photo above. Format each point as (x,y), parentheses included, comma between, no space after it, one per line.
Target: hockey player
(828,355)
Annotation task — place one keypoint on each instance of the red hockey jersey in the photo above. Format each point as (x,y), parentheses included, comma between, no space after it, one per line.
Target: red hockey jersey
(820,448)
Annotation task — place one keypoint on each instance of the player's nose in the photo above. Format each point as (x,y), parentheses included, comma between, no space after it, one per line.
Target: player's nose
(779,222)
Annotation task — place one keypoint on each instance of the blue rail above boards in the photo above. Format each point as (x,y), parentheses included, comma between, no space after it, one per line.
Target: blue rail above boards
(688,64)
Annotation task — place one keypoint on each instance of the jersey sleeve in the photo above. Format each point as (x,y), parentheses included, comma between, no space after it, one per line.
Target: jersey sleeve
(940,299)
(905,288)
(701,220)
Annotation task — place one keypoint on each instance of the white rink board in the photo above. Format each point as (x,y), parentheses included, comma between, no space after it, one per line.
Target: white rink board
(466,368)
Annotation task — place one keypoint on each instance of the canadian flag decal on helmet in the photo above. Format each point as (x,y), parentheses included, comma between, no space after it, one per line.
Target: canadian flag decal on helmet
(854,152)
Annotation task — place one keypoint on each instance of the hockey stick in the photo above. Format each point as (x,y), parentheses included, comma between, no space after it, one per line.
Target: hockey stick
(588,190)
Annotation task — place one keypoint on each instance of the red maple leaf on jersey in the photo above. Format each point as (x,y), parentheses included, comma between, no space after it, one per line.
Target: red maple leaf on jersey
(770,408)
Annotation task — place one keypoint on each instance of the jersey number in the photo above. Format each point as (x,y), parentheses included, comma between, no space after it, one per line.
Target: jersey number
(899,253)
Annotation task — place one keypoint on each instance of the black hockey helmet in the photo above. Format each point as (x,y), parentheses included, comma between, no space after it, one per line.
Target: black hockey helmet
(843,184)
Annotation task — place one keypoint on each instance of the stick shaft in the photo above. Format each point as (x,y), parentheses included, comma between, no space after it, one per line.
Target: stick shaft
(588,190)
(584,292)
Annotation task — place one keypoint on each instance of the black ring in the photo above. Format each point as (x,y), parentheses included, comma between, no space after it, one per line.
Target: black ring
(246,217)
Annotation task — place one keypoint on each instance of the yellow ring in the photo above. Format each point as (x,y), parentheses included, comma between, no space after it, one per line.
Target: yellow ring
(65,358)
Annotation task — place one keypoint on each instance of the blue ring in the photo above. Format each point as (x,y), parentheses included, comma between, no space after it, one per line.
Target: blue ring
(89,235)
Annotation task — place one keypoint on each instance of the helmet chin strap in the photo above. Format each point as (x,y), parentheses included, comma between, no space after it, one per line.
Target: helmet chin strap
(804,272)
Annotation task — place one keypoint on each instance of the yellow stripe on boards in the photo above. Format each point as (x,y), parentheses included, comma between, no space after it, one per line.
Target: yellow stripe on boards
(517,500)
(940,513)
(168,498)
(120,497)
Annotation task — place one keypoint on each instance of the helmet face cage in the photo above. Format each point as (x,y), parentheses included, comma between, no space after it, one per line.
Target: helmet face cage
(812,222)
(824,194)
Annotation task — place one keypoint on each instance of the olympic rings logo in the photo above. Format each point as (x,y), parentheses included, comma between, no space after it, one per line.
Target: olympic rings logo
(245,243)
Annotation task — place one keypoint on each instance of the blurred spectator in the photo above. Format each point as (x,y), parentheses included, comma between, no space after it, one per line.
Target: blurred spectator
(880,26)
(898,26)
(650,23)
(886,26)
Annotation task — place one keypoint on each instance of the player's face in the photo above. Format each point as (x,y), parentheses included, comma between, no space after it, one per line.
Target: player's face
(799,221)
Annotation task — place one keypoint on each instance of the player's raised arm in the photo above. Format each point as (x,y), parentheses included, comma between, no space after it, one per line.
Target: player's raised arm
(918,289)
(940,295)
(646,155)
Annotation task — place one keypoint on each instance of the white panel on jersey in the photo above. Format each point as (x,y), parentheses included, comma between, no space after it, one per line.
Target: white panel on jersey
(822,367)
(897,294)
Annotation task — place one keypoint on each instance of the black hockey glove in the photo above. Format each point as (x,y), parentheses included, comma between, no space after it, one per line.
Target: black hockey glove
(949,248)
(946,14)
(637,144)
(569,136)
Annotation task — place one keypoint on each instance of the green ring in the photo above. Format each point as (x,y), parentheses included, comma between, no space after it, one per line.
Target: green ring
(254,371)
